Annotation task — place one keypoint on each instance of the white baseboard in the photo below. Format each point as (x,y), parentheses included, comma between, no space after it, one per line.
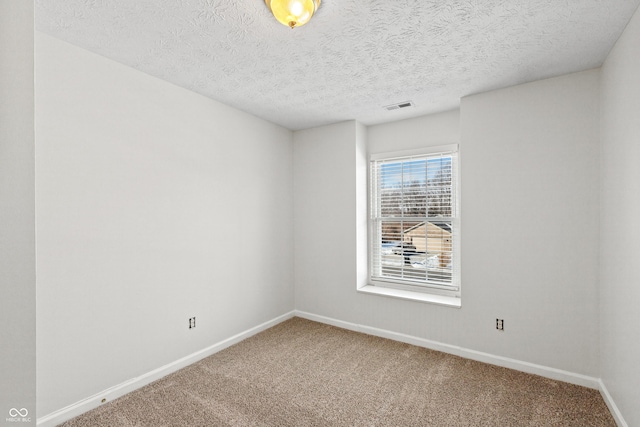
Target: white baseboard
(119,390)
(518,365)
(613,408)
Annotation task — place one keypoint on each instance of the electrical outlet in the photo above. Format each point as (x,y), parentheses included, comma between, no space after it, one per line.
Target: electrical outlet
(500,324)
(192,322)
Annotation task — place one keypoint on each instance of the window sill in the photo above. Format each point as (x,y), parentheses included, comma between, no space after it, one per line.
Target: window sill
(412,296)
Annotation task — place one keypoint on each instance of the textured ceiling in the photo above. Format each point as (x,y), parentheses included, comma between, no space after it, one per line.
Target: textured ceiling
(352,59)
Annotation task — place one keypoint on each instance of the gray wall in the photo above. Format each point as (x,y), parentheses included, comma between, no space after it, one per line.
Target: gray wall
(619,225)
(529,169)
(17,211)
(529,221)
(155,205)
(325,219)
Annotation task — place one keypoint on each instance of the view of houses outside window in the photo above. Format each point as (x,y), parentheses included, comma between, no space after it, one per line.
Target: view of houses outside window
(413,220)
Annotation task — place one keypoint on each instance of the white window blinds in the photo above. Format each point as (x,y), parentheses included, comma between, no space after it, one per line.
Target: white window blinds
(414,230)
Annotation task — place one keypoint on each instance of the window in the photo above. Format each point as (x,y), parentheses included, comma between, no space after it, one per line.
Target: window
(413,222)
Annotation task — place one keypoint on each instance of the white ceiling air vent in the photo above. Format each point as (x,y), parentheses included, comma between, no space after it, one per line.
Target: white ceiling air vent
(398,106)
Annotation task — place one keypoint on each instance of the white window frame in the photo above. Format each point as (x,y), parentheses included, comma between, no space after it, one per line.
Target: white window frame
(447,294)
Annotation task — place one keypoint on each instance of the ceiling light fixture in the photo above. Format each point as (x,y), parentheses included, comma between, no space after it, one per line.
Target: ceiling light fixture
(293,13)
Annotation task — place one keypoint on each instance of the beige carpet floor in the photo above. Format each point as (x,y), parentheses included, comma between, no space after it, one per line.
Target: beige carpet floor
(303,373)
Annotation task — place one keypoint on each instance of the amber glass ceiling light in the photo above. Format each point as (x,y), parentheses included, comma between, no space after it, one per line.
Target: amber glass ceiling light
(293,13)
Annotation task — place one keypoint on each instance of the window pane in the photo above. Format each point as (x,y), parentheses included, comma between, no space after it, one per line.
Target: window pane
(391,189)
(398,254)
(414,188)
(439,186)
